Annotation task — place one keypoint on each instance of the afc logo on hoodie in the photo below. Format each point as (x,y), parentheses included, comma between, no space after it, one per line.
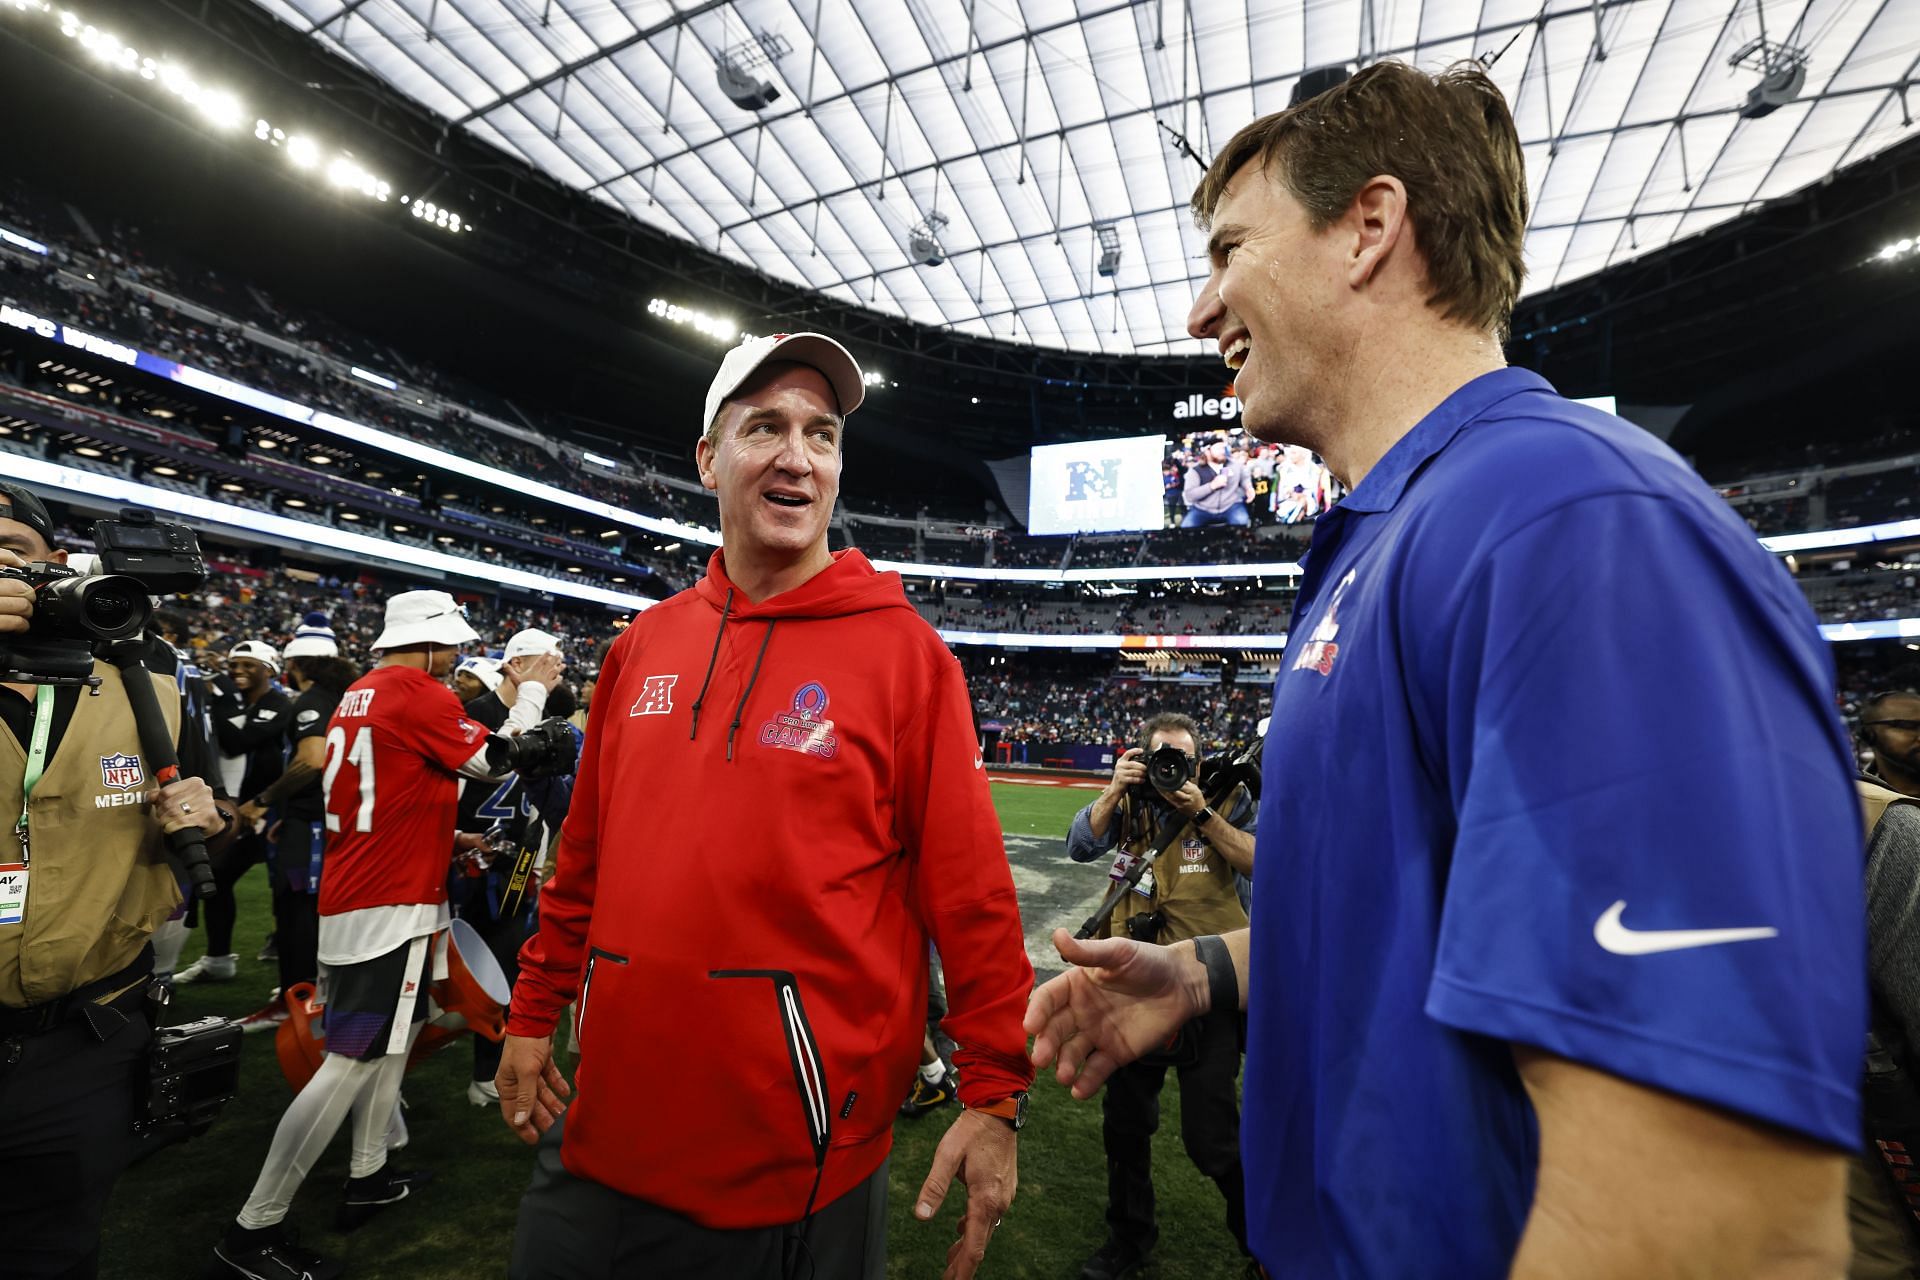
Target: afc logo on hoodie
(656,696)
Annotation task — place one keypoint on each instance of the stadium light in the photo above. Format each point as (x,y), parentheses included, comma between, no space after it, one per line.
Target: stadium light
(714,327)
(222,109)
(1897,249)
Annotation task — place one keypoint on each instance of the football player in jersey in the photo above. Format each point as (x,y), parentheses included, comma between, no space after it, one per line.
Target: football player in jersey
(395,746)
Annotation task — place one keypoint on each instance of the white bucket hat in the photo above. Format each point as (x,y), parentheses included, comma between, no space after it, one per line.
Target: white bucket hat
(424,617)
(815,350)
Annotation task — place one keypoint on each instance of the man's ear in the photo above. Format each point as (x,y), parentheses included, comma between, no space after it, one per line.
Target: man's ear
(703,462)
(1377,221)
(58,557)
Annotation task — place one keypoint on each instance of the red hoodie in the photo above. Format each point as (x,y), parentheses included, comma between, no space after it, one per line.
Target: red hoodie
(777,805)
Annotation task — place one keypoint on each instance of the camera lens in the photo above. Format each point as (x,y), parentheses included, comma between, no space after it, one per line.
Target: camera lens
(107,611)
(107,608)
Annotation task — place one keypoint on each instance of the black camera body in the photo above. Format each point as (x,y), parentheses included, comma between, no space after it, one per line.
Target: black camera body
(1168,770)
(77,616)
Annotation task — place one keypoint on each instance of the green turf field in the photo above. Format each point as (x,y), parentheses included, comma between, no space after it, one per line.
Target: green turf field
(169,1210)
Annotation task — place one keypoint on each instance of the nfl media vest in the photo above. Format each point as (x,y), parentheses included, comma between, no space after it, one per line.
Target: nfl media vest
(1192,882)
(1874,799)
(99,883)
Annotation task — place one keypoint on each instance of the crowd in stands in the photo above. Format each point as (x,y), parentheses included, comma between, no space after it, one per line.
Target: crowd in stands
(1127,615)
(1885,437)
(1109,711)
(1866,598)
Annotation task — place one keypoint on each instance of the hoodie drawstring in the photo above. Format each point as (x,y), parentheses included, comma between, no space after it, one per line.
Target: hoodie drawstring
(744,693)
(712,658)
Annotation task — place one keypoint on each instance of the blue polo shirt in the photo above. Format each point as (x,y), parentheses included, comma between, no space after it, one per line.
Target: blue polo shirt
(1553,761)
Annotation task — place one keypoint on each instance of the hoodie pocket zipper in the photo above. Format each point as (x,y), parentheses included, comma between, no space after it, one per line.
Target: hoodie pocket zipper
(803,1054)
(594,956)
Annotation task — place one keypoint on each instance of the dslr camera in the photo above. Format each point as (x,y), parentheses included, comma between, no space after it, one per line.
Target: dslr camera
(1168,769)
(78,615)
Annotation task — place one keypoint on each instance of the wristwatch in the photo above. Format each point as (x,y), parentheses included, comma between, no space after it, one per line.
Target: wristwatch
(1012,1109)
(1203,817)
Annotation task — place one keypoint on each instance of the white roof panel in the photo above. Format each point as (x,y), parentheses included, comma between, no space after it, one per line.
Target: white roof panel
(1627,110)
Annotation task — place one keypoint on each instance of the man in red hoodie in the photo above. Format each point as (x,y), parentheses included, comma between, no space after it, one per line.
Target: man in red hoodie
(779,802)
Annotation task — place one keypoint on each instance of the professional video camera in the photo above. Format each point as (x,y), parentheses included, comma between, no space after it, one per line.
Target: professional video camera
(78,616)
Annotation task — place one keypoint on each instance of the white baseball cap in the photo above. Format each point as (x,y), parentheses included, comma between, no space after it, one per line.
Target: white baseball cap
(424,617)
(485,670)
(259,651)
(815,350)
(528,643)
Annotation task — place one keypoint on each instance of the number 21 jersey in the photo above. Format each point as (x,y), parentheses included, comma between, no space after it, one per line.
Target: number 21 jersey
(393,748)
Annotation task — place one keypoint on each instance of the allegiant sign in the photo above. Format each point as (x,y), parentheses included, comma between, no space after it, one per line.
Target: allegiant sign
(1226,408)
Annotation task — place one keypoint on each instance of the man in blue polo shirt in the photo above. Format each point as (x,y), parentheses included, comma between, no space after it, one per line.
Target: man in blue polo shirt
(1531,989)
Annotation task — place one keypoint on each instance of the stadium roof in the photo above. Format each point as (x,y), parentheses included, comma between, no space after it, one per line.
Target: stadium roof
(1030,125)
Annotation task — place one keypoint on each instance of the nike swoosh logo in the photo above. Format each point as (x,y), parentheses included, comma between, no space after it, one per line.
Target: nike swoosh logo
(1622,941)
(979,762)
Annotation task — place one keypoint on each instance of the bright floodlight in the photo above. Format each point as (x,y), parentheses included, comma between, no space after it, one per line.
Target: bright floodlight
(303,152)
(222,108)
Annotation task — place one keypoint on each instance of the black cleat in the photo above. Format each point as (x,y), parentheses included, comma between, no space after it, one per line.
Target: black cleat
(927,1096)
(271,1253)
(367,1196)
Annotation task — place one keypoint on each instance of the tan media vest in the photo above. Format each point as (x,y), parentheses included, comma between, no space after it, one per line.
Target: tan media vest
(98,883)
(1874,799)
(1192,881)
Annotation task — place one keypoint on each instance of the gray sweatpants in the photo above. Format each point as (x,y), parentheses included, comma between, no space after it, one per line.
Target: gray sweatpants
(574,1229)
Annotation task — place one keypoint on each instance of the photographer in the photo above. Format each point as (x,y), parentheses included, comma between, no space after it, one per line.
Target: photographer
(74,954)
(1192,890)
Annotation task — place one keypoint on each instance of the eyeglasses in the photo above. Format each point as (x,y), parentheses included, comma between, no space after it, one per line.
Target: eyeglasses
(1910,726)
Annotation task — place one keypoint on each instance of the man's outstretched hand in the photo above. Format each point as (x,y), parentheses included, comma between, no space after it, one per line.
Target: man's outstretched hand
(1122,1000)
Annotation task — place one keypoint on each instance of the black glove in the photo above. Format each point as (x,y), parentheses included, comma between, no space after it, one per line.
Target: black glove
(548,750)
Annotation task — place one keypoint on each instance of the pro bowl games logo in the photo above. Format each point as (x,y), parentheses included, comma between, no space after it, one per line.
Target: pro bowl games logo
(805,728)
(122,773)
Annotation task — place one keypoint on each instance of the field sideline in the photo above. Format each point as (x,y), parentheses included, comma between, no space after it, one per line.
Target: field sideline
(168,1211)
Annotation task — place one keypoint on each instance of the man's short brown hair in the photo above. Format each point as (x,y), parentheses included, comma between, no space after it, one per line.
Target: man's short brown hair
(1449,138)
(1169,722)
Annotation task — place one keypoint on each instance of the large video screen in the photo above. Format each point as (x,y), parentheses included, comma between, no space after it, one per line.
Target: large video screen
(1097,486)
(1228,477)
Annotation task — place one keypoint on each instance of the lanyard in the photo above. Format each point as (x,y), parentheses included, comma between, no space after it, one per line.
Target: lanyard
(36,758)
